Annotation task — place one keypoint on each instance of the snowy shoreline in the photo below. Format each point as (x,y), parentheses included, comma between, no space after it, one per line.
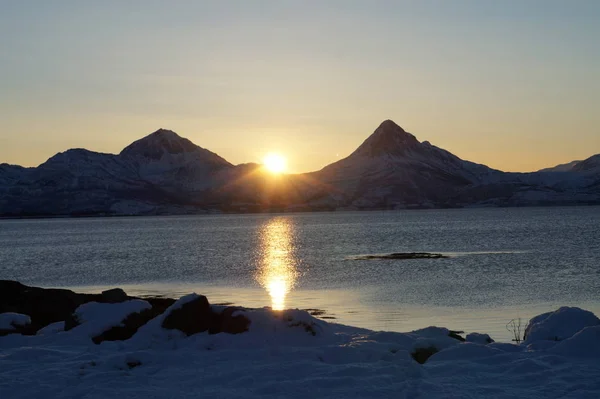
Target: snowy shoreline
(189,347)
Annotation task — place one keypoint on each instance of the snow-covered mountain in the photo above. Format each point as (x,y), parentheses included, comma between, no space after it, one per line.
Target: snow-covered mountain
(173,162)
(164,173)
(157,173)
(563,167)
(590,165)
(392,168)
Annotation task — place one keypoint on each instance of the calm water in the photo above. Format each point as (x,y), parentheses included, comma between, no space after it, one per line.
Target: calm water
(504,264)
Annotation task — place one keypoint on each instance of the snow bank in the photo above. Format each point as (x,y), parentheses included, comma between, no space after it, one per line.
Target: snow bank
(558,325)
(586,343)
(291,354)
(52,328)
(10,321)
(95,317)
(465,351)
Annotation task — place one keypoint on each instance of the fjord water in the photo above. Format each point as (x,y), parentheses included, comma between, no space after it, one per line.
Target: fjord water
(503,263)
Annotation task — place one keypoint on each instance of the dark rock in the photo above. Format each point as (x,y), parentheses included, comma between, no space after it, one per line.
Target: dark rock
(160,303)
(115,295)
(228,323)
(71,321)
(44,306)
(315,312)
(422,354)
(191,318)
(133,364)
(454,334)
(49,305)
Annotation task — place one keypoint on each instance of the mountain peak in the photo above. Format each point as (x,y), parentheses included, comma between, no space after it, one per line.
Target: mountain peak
(165,132)
(388,138)
(159,142)
(167,146)
(389,124)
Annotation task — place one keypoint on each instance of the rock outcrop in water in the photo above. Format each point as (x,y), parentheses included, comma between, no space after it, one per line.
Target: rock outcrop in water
(402,256)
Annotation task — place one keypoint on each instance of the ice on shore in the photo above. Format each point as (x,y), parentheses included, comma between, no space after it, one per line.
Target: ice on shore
(294,355)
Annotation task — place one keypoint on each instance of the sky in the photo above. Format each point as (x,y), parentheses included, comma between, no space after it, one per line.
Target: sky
(511,84)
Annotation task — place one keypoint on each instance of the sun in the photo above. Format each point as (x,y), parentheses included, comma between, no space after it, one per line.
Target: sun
(274,163)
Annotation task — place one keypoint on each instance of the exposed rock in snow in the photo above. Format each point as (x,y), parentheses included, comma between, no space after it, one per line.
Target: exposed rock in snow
(190,317)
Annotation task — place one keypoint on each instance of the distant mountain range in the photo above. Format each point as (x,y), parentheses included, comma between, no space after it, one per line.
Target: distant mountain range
(164,173)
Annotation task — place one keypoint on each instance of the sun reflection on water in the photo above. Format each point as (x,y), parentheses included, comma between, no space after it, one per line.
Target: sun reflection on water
(277,272)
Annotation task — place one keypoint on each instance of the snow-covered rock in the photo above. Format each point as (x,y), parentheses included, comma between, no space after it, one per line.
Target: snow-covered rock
(477,338)
(11,321)
(94,318)
(153,332)
(558,325)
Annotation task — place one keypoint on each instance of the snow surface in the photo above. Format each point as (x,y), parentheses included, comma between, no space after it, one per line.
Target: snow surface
(292,354)
(10,321)
(52,328)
